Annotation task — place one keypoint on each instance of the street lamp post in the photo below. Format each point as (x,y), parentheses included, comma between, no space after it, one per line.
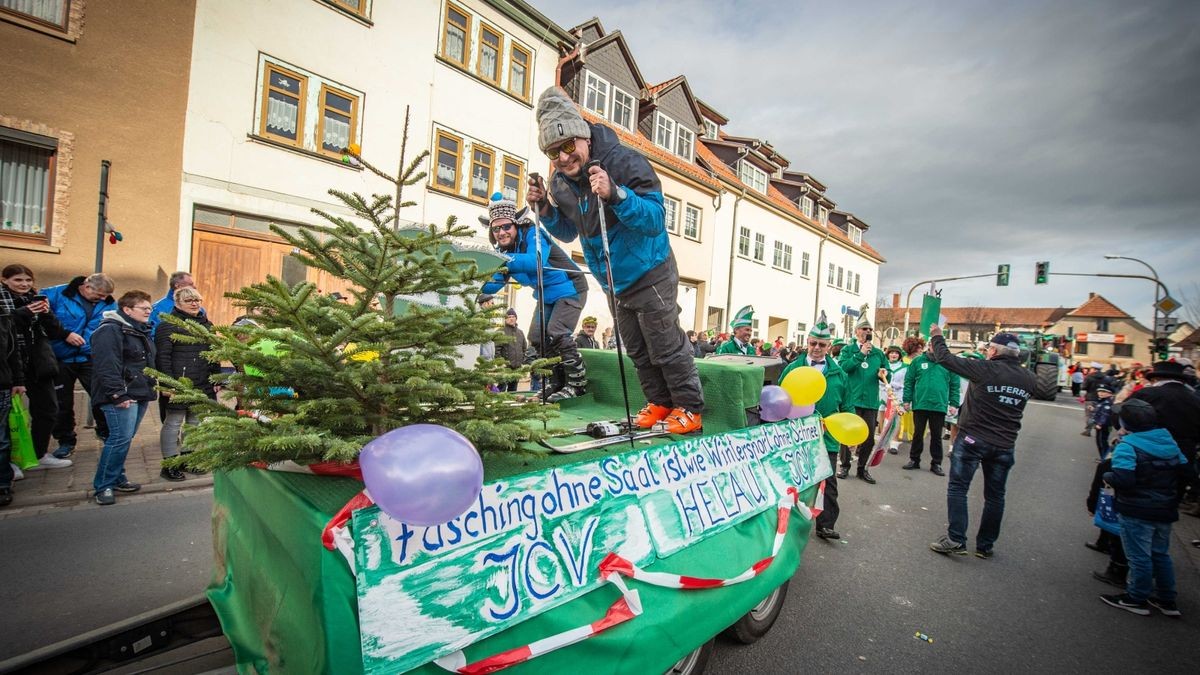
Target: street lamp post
(1157,288)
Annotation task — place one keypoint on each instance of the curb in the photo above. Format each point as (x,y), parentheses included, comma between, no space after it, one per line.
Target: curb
(85,495)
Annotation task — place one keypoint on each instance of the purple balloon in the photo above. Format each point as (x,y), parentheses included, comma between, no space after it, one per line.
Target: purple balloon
(774,403)
(799,411)
(422,474)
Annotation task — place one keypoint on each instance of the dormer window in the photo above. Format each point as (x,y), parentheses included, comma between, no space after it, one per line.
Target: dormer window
(595,96)
(664,132)
(710,129)
(855,233)
(822,215)
(685,140)
(752,176)
(624,109)
(806,206)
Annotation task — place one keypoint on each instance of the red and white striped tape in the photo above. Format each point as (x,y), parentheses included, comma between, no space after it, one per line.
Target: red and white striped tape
(625,608)
(612,568)
(818,503)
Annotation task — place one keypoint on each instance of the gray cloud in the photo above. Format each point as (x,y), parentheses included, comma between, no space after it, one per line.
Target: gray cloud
(966,134)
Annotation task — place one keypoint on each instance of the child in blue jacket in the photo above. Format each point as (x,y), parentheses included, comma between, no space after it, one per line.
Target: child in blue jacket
(1147,470)
(1102,417)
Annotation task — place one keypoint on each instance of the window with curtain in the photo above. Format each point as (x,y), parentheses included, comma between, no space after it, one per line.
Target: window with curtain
(53,12)
(691,222)
(283,113)
(760,246)
(514,172)
(744,241)
(26,187)
(491,45)
(338,119)
(671,214)
(454,36)
(481,173)
(449,154)
(777,259)
(804,258)
(684,141)
(595,96)
(622,109)
(518,72)
(664,132)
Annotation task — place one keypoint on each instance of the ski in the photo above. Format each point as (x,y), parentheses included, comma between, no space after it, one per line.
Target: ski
(624,437)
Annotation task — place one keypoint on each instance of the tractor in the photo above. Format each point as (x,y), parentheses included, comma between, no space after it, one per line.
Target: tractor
(1041,353)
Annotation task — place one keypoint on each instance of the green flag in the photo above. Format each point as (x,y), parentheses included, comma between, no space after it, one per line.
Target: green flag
(931,309)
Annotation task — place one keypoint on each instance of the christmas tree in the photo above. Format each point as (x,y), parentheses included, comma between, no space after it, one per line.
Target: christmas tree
(317,378)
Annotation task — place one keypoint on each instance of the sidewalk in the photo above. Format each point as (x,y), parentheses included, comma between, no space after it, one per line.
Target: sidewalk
(74,483)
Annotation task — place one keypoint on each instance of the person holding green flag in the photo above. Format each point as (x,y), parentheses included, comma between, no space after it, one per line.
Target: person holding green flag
(834,400)
(930,391)
(865,365)
(742,326)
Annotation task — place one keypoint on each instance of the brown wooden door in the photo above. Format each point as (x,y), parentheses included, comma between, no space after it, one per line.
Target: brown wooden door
(228,262)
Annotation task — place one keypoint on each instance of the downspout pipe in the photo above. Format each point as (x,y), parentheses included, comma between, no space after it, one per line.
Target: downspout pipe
(732,257)
(817,274)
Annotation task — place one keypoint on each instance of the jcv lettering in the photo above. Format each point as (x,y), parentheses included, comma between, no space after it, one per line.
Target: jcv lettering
(530,572)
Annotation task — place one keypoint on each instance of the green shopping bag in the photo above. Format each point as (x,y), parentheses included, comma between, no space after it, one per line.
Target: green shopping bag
(22,440)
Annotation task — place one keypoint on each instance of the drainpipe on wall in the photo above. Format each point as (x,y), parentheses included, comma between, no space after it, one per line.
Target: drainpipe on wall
(732,257)
(818,272)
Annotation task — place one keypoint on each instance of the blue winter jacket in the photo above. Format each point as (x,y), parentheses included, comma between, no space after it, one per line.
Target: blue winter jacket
(68,307)
(1147,468)
(636,234)
(522,266)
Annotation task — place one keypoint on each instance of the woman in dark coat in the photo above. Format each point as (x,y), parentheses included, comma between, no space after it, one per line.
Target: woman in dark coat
(121,352)
(179,360)
(33,325)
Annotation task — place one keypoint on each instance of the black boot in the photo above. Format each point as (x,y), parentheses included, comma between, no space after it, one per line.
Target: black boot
(1114,575)
(574,374)
(865,475)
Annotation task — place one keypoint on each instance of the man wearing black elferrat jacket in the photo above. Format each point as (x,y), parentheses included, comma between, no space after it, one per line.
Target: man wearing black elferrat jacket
(987,435)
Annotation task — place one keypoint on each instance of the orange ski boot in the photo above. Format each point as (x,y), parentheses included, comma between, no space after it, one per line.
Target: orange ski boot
(681,421)
(650,415)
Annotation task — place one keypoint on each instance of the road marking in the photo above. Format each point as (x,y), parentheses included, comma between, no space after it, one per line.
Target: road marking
(1058,405)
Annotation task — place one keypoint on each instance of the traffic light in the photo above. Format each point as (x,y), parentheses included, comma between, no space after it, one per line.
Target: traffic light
(1162,348)
(1043,273)
(1002,275)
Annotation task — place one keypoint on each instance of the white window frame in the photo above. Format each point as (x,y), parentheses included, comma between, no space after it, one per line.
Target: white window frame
(760,247)
(687,147)
(787,258)
(591,83)
(832,274)
(841,277)
(633,104)
(857,281)
(777,255)
(688,210)
(671,214)
(752,176)
(822,215)
(664,132)
(805,259)
(743,246)
(710,129)
(806,206)
(855,233)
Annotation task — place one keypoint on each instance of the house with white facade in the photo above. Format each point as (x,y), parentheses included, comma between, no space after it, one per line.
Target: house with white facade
(271,108)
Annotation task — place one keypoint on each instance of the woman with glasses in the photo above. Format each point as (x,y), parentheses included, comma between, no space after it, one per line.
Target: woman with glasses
(121,352)
(178,360)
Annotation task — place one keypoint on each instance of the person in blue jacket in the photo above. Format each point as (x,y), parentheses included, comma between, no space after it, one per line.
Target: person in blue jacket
(79,306)
(1147,471)
(645,277)
(563,292)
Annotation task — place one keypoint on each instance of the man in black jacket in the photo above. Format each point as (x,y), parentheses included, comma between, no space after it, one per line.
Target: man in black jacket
(1178,409)
(988,424)
(12,381)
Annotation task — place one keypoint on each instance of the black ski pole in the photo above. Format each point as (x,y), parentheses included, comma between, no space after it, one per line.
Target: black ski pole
(537,239)
(612,306)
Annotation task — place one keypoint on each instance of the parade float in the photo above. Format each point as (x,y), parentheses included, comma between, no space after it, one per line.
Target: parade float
(380,509)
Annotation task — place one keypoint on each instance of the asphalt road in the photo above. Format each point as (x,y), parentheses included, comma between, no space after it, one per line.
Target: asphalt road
(69,571)
(855,605)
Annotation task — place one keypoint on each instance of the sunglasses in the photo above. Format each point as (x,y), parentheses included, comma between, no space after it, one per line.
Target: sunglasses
(503,228)
(567,147)
(818,345)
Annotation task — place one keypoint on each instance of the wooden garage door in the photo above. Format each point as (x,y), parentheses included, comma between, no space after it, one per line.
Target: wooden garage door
(224,262)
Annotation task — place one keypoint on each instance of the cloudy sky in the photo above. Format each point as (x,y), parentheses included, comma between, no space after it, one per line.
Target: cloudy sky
(967,134)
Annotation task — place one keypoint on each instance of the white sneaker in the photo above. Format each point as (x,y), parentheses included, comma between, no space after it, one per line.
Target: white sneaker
(17,473)
(51,462)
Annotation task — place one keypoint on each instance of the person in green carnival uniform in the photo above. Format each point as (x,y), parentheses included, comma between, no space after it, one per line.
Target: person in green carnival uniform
(739,343)
(930,391)
(835,400)
(863,362)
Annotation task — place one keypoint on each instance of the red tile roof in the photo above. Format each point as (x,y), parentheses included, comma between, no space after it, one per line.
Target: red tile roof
(776,198)
(1097,307)
(655,88)
(1012,317)
(655,153)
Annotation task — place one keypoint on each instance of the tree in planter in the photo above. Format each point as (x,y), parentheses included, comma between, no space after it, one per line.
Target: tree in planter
(324,377)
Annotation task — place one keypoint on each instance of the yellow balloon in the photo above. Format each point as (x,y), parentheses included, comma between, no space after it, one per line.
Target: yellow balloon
(846,428)
(806,385)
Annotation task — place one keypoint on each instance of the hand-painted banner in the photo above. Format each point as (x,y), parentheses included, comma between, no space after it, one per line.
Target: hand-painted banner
(534,541)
